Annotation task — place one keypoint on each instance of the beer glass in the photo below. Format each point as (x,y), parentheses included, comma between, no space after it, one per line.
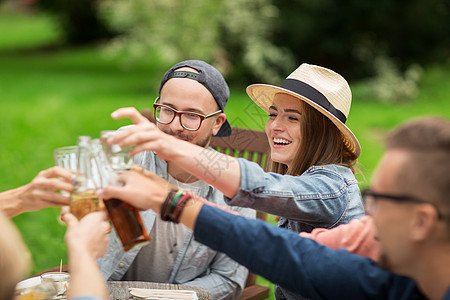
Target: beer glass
(67,158)
(117,156)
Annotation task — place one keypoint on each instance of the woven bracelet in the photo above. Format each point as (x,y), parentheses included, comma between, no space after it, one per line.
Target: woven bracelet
(178,195)
(166,208)
(180,206)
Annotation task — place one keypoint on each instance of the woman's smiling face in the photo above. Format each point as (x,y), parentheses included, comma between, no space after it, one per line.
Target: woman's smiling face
(283,128)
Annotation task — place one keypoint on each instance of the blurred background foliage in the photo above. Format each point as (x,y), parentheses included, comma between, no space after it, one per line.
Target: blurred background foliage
(260,40)
(66,65)
(236,36)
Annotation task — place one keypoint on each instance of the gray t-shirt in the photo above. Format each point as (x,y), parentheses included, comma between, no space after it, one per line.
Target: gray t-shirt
(155,261)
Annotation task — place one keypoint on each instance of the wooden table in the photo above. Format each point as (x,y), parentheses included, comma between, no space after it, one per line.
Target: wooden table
(118,290)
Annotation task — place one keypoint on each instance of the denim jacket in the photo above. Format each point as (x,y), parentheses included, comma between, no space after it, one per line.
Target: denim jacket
(196,264)
(323,196)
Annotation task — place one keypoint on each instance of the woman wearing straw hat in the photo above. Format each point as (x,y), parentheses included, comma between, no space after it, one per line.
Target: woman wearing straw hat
(314,153)
(309,140)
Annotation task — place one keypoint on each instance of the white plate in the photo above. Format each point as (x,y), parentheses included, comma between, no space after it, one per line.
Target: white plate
(28,283)
(163,294)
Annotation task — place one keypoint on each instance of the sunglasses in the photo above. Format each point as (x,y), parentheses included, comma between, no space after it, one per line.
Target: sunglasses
(370,197)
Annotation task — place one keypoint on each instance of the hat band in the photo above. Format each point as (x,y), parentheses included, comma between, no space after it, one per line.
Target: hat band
(314,95)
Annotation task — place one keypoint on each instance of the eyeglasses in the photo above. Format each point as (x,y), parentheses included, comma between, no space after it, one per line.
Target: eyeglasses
(369,197)
(189,120)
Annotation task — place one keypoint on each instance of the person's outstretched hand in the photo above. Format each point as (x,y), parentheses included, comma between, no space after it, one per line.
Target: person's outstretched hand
(141,188)
(145,136)
(41,192)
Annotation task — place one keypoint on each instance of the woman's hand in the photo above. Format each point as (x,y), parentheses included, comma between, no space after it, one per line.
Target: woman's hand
(41,192)
(141,188)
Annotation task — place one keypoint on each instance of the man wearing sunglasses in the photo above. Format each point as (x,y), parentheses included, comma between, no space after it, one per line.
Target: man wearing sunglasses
(190,106)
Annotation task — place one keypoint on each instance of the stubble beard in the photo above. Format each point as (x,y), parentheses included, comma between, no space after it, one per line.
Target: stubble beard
(202,143)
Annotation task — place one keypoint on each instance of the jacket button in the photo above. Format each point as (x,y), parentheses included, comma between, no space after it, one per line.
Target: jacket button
(121,265)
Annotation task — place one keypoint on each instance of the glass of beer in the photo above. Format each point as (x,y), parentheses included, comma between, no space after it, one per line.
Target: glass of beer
(87,180)
(84,202)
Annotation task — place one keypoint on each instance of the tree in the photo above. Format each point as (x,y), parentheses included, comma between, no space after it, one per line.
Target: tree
(79,20)
(233,35)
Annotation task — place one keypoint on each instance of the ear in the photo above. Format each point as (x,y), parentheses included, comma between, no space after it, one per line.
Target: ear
(423,222)
(220,119)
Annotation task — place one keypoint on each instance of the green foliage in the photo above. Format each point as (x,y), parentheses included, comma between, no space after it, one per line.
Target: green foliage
(349,35)
(78,19)
(224,33)
(174,29)
(390,85)
(262,40)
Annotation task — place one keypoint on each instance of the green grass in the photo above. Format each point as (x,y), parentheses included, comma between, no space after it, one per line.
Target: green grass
(49,97)
(370,120)
(19,30)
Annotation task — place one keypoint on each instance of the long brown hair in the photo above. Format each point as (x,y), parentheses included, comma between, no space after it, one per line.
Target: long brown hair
(321,144)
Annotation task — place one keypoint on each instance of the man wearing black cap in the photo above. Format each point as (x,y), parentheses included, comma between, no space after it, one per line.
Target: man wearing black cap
(190,106)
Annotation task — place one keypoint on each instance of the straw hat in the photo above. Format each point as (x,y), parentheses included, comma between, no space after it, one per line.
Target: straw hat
(323,89)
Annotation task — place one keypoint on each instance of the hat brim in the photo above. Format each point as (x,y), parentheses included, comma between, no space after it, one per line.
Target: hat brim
(263,94)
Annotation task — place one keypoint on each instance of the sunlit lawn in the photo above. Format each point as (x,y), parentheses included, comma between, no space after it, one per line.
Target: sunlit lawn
(49,97)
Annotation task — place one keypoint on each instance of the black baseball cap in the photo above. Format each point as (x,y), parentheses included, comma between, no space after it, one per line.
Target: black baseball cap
(210,78)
